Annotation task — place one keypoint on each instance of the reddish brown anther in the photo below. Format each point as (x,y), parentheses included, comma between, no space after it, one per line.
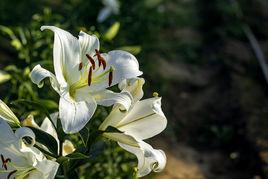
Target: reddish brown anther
(80,66)
(110,77)
(4,162)
(89,76)
(11,173)
(91,60)
(100,59)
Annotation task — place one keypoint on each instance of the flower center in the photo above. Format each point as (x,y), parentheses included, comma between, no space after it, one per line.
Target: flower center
(92,75)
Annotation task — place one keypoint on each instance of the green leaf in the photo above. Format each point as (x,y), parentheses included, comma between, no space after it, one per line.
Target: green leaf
(135,49)
(112,31)
(49,103)
(46,139)
(77,156)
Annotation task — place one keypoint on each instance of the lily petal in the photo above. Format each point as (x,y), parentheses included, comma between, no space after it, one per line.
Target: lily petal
(66,55)
(121,137)
(108,98)
(144,120)
(149,159)
(124,66)
(134,87)
(25,132)
(8,115)
(48,127)
(74,115)
(88,44)
(7,134)
(38,74)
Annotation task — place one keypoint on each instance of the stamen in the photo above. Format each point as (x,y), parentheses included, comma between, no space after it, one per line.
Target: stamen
(100,59)
(80,66)
(11,173)
(5,161)
(91,61)
(110,76)
(89,76)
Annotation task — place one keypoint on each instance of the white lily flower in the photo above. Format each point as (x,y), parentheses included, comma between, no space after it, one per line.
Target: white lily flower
(143,120)
(8,115)
(22,160)
(82,75)
(110,7)
(48,127)
(149,159)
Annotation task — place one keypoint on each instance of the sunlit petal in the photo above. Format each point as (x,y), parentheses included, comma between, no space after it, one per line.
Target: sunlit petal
(66,55)
(8,115)
(38,74)
(74,115)
(149,159)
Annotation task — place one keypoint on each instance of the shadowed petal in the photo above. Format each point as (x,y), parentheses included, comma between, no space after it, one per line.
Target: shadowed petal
(74,115)
(66,55)
(149,159)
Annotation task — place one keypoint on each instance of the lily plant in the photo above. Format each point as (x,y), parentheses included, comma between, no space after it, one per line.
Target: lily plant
(47,126)
(143,120)
(82,76)
(19,158)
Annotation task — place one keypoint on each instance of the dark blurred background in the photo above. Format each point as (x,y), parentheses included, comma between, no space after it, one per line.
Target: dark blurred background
(206,58)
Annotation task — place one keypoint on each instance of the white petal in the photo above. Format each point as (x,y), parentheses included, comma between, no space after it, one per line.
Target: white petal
(7,115)
(108,98)
(122,138)
(134,87)
(88,44)
(6,133)
(74,115)
(115,116)
(124,65)
(66,55)
(149,159)
(45,169)
(144,120)
(25,132)
(38,74)
(48,127)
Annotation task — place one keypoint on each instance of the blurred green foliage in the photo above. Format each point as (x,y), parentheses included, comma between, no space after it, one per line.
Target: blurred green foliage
(193,52)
